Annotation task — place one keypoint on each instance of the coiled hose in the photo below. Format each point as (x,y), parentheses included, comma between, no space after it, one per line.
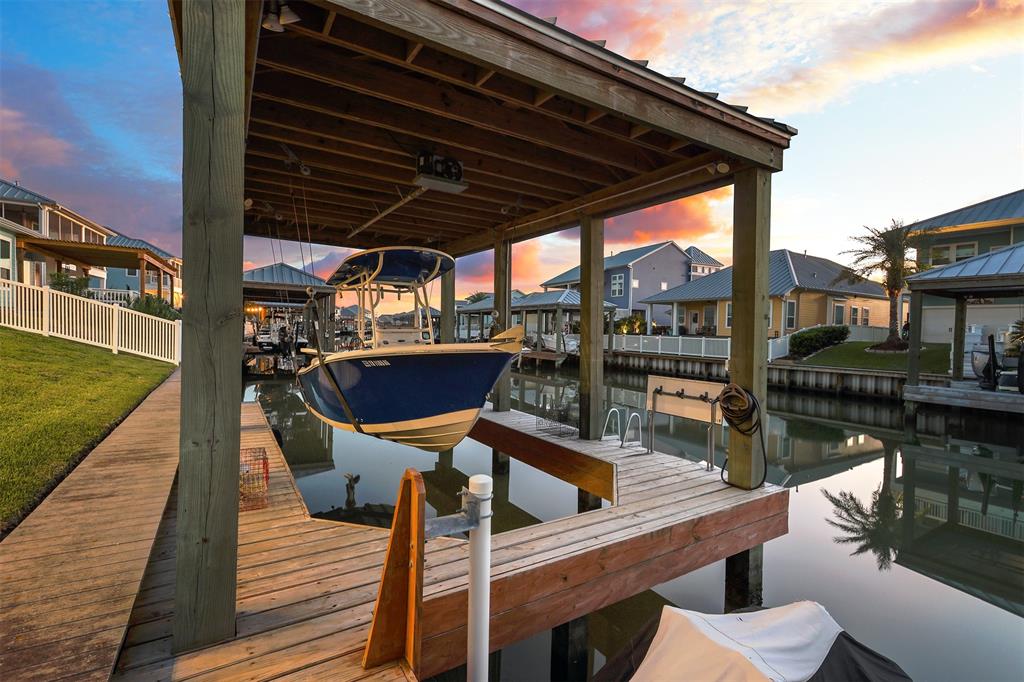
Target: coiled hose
(742,411)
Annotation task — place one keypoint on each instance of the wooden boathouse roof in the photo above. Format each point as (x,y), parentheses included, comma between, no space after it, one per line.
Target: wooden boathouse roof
(546,123)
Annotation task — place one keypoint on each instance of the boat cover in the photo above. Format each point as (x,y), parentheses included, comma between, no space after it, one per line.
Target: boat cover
(398,265)
(798,641)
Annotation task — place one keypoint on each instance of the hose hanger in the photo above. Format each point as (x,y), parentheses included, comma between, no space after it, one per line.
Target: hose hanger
(742,411)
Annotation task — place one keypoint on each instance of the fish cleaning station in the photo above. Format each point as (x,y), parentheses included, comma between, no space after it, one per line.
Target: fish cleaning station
(420,126)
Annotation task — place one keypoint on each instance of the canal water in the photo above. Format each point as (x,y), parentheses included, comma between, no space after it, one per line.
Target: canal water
(944,599)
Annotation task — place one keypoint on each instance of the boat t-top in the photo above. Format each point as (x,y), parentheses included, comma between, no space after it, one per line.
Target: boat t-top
(397,383)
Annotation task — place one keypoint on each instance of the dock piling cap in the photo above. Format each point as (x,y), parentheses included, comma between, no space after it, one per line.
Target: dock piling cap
(481,484)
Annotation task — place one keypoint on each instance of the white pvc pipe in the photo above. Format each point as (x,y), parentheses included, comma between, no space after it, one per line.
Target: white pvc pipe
(478,639)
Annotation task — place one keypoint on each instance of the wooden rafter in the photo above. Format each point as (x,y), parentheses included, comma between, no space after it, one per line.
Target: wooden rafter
(326,65)
(362,38)
(575,71)
(458,136)
(383,146)
(665,184)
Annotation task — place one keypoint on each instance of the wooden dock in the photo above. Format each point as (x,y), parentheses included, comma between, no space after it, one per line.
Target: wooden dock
(69,573)
(966,394)
(306,587)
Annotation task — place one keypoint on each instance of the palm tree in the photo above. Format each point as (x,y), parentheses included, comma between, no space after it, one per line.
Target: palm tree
(886,251)
(476,296)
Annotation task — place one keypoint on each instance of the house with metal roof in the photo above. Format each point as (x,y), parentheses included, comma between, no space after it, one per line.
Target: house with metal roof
(127,279)
(479,311)
(47,219)
(634,274)
(996,275)
(803,290)
(958,235)
(550,310)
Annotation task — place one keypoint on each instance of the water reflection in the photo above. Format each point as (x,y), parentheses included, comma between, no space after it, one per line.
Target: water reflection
(348,477)
(911,538)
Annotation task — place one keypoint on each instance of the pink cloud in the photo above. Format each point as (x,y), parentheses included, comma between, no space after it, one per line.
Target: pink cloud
(28,144)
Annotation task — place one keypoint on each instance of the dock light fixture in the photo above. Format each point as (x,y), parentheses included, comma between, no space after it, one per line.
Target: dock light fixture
(287,15)
(271,20)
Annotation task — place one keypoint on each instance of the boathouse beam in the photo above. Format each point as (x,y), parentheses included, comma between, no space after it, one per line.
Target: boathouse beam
(447,333)
(591,326)
(502,399)
(747,363)
(213,39)
(914,352)
(959,332)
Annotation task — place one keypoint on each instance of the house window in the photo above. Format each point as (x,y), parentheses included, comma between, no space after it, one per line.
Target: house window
(952,253)
(864,317)
(618,282)
(853,314)
(134,272)
(636,284)
(838,313)
(728,315)
(6,261)
(664,286)
(790,314)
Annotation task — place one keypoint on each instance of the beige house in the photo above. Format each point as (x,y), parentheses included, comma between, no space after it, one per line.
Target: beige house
(804,291)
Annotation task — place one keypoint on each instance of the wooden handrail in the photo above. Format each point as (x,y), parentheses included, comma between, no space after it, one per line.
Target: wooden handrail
(396,631)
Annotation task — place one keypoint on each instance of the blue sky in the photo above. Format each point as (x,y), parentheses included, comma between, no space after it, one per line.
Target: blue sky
(905,109)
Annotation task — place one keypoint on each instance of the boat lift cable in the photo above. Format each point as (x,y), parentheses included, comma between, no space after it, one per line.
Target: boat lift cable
(314,320)
(742,411)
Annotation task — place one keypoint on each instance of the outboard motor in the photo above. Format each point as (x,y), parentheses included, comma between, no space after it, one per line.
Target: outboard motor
(990,375)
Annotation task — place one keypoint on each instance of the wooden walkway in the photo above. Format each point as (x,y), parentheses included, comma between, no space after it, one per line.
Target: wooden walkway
(69,572)
(306,587)
(966,394)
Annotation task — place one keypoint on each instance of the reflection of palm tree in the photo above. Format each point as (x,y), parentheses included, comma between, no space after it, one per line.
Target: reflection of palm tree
(871,528)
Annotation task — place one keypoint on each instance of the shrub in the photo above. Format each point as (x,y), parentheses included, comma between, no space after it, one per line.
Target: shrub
(154,305)
(61,281)
(810,341)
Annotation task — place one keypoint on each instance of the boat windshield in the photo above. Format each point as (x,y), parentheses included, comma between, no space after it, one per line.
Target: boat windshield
(379,274)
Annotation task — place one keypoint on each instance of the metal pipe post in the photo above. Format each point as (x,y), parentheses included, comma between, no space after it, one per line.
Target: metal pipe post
(478,640)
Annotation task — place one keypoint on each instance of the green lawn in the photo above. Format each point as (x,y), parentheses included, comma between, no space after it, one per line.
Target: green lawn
(934,358)
(57,399)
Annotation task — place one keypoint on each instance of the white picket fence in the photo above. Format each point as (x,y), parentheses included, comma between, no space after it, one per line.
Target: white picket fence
(42,310)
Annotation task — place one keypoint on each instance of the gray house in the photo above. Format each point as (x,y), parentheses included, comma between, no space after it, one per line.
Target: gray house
(631,276)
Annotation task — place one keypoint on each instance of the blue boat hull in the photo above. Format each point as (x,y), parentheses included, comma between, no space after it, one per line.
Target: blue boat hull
(422,398)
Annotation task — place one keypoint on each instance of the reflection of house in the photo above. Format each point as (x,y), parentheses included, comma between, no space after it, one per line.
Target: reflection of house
(804,291)
(634,274)
(966,529)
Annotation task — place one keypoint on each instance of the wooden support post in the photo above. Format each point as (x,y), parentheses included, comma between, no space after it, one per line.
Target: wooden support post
(747,359)
(591,317)
(502,400)
(142,278)
(448,307)
(569,655)
(674,324)
(159,283)
(396,632)
(959,332)
(914,352)
(744,578)
(953,496)
(211,385)
(559,330)
(611,330)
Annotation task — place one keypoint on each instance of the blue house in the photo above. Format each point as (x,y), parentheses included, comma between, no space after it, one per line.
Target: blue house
(127,279)
(631,276)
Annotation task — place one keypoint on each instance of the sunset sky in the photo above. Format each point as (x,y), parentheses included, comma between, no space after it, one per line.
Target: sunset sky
(905,109)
